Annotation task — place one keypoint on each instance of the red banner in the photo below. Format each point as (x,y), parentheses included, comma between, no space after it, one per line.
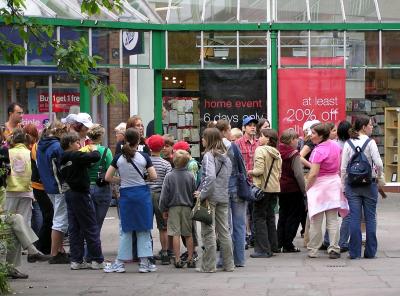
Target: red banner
(309,94)
(62,101)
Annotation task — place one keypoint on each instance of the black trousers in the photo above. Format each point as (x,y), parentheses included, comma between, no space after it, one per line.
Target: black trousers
(264,224)
(44,242)
(83,227)
(291,208)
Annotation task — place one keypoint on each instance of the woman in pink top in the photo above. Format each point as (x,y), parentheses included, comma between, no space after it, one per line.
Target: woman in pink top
(324,194)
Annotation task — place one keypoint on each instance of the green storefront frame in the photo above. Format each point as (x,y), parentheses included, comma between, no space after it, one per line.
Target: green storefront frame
(158,62)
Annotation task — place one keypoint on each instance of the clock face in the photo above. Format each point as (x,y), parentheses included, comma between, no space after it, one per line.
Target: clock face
(130,40)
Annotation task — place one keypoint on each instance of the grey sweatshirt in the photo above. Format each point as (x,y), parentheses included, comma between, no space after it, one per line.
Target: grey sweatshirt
(214,188)
(177,189)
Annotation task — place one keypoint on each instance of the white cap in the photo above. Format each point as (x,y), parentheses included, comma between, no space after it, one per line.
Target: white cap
(71,118)
(307,126)
(120,128)
(85,119)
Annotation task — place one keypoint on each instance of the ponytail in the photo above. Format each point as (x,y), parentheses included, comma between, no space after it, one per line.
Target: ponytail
(132,138)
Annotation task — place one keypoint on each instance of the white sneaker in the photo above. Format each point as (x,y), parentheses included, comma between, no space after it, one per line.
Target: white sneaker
(77,265)
(114,267)
(95,265)
(143,268)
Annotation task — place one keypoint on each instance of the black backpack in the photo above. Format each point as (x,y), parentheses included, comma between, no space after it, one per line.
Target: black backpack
(359,171)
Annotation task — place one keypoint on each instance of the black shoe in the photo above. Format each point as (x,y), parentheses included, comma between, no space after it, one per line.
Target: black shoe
(277,250)
(60,258)
(184,256)
(334,255)
(165,260)
(344,249)
(261,255)
(323,247)
(291,250)
(180,264)
(38,257)
(16,274)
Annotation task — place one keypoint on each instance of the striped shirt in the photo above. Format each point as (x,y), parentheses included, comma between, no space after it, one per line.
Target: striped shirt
(162,167)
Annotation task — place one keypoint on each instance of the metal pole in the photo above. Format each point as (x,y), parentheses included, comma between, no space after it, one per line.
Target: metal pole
(51,98)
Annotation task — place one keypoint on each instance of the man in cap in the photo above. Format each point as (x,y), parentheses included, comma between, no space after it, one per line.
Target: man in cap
(248,143)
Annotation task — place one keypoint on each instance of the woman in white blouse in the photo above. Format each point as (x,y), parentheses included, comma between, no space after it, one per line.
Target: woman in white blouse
(362,198)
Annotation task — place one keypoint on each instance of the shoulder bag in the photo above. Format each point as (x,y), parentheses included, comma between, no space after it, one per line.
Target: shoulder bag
(201,211)
(258,192)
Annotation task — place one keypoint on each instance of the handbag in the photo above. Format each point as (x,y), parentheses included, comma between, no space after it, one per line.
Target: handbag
(243,184)
(202,212)
(258,192)
(101,174)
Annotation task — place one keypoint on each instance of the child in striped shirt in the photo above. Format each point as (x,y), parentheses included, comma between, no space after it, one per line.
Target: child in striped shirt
(156,143)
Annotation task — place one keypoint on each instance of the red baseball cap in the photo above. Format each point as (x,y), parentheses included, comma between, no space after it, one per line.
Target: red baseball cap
(181,145)
(155,143)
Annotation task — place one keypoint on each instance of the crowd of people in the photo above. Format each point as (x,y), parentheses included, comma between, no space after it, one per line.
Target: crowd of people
(60,182)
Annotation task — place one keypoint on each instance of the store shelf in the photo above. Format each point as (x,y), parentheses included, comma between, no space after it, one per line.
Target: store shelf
(392,149)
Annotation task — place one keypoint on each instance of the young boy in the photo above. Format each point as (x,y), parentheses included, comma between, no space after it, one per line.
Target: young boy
(156,143)
(193,168)
(176,202)
(81,212)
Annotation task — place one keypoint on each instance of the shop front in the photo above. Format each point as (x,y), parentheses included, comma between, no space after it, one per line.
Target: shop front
(289,61)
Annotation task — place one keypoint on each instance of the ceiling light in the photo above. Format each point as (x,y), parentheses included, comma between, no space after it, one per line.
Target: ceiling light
(174,81)
(166,77)
(174,78)
(180,81)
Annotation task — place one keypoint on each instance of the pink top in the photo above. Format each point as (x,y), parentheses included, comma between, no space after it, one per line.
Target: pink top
(327,155)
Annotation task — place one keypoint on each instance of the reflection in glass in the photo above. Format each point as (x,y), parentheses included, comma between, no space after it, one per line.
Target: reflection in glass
(325,11)
(293,48)
(391,48)
(185,11)
(105,43)
(253,11)
(220,11)
(220,50)
(360,11)
(184,49)
(253,49)
(291,11)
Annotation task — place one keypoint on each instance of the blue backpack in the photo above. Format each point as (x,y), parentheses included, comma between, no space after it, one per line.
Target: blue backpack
(359,171)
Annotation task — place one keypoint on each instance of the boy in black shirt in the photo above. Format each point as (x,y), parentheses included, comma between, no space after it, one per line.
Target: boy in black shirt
(81,212)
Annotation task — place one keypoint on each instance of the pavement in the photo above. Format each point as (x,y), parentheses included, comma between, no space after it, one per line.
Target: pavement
(283,274)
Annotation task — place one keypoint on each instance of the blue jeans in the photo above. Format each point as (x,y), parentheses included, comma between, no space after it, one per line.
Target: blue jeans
(37,218)
(237,225)
(101,197)
(344,232)
(144,245)
(362,199)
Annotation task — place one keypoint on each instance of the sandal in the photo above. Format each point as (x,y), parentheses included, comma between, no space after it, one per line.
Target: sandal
(291,250)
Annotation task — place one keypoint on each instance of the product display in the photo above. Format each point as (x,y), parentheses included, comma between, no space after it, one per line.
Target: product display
(183,121)
(392,133)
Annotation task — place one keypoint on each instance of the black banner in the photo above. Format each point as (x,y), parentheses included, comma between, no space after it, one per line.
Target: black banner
(232,95)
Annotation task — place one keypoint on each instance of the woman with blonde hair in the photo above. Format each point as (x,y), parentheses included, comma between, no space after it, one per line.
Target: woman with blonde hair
(100,190)
(214,189)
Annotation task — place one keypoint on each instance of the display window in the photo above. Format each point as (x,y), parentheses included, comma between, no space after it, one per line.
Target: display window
(194,99)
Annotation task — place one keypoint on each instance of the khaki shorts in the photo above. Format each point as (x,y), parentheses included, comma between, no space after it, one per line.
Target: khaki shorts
(156,210)
(179,221)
